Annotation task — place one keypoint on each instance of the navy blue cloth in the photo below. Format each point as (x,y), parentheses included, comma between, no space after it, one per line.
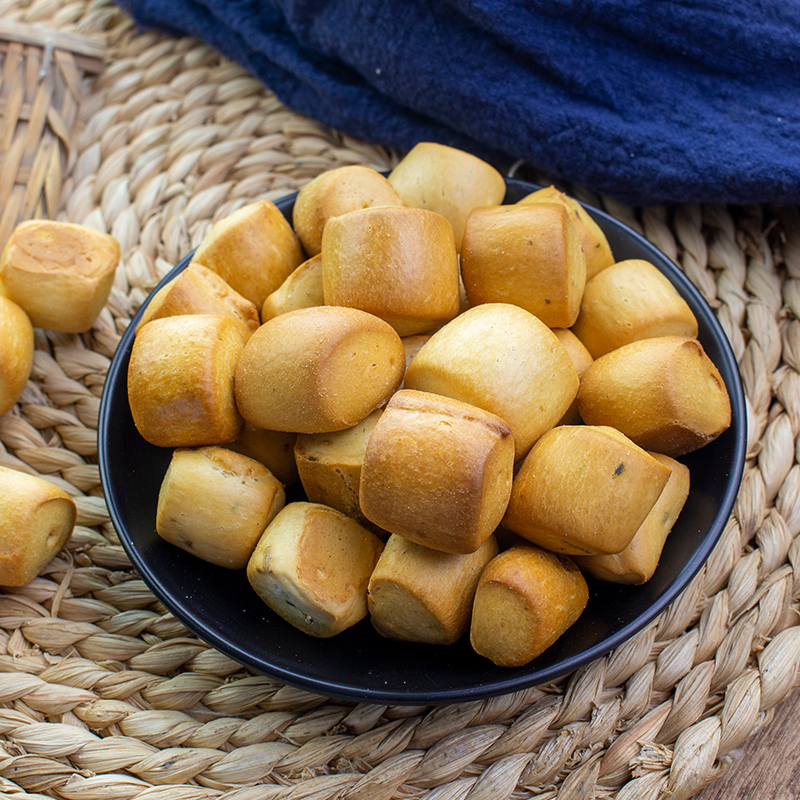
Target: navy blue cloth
(650,101)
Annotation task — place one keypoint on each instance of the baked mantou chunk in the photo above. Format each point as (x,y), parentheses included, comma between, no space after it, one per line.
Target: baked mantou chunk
(593,240)
(59,273)
(503,359)
(417,594)
(336,192)
(584,490)
(199,290)
(628,301)
(437,471)
(312,566)
(180,380)
(302,289)
(36,520)
(215,503)
(581,359)
(446,180)
(318,369)
(665,394)
(527,255)
(398,263)
(254,249)
(638,561)
(273,449)
(526,599)
(16,352)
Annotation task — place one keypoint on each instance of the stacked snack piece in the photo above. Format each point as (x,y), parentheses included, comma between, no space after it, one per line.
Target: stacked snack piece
(482,405)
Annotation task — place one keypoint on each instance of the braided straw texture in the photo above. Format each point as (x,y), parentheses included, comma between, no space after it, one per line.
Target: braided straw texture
(105,695)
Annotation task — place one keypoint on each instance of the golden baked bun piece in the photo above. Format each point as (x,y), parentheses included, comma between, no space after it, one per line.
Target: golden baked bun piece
(637,563)
(336,192)
(581,359)
(302,289)
(417,594)
(595,245)
(312,566)
(215,503)
(628,301)
(273,449)
(526,599)
(59,273)
(397,263)
(318,370)
(254,250)
(437,471)
(199,290)
(180,380)
(529,255)
(16,352)
(584,490)
(449,181)
(503,359)
(665,394)
(36,520)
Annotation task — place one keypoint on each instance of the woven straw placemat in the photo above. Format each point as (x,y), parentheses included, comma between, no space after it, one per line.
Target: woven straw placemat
(105,695)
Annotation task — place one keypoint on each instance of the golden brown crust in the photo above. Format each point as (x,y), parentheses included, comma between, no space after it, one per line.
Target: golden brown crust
(302,289)
(16,352)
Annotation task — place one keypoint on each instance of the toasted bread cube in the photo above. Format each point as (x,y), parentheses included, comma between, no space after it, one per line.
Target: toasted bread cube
(302,289)
(16,352)
(581,359)
(273,449)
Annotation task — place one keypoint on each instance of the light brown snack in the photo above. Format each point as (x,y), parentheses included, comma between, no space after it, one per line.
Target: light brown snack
(36,520)
(273,449)
(437,471)
(312,566)
(254,249)
(16,352)
(628,301)
(593,240)
(329,465)
(199,290)
(215,503)
(59,273)
(421,595)
(318,370)
(503,359)
(302,289)
(446,180)
(397,263)
(665,394)
(526,599)
(180,380)
(637,563)
(584,490)
(336,192)
(581,359)
(528,255)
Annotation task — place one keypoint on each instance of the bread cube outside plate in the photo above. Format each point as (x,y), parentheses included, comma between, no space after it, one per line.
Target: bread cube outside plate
(16,352)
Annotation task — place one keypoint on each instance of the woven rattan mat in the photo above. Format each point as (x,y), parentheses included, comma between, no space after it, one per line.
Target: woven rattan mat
(105,695)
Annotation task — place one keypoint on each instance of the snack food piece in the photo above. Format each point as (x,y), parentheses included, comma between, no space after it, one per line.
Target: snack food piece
(199,290)
(421,595)
(59,273)
(254,249)
(16,352)
(637,563)
(36,520)
(663,393)
(584,490)
(397,263)
(593,240)
(528,255)
(526,599)
(448,181)
(329,465)
(501,358)
(437,471)
(302,289)
(628,301)
(180,380)
(273,449)
(318,370)
(215,503)
(581,359)
(312,565)
(336,192)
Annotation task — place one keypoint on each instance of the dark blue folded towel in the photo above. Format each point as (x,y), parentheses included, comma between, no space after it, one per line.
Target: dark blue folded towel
(649,101)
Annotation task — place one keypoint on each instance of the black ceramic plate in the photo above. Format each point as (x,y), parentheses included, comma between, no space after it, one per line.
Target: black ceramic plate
(222,609)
